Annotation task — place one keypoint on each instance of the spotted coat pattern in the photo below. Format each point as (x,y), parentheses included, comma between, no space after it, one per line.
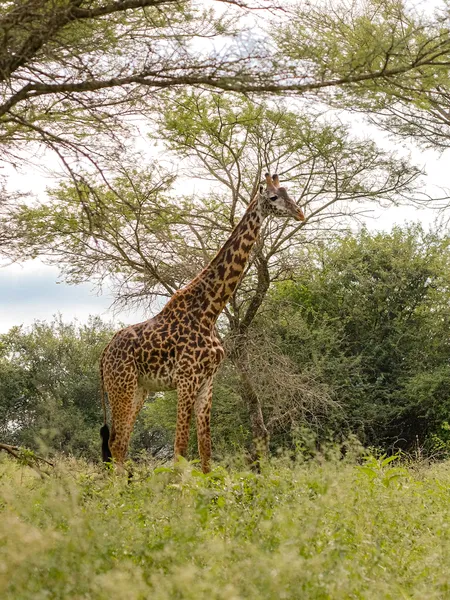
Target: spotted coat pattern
(178,348)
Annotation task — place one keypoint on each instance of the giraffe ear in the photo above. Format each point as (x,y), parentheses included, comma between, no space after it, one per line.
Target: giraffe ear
(261,189)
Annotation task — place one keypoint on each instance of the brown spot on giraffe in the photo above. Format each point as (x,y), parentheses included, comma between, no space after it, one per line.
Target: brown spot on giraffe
(178,348)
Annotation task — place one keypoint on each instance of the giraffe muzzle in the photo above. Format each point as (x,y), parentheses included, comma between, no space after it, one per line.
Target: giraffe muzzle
(299,215)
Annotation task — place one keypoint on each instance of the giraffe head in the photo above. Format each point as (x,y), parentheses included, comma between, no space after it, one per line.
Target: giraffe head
(274,200)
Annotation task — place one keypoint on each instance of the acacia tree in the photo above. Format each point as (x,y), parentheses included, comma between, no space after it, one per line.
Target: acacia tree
(74,71)
(227,140)
(364,38)
(149,240)
(415,106)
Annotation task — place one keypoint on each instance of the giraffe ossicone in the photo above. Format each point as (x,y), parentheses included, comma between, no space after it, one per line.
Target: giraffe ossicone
(178,348)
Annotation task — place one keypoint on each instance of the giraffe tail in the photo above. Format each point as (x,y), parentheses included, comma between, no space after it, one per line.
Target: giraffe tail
(104,431)
(106,452)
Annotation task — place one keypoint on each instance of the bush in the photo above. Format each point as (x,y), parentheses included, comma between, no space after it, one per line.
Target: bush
(318,530)
(50,386)
(369,317)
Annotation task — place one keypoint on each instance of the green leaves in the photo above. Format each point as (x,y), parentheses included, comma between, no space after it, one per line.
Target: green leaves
(352,41)
(378,471)
(316,530)
(369,317)
(49,386)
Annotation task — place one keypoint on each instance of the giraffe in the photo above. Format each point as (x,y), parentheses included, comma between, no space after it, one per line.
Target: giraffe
(178,348)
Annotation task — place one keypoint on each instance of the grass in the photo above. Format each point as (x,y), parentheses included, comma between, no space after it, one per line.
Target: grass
(322,529)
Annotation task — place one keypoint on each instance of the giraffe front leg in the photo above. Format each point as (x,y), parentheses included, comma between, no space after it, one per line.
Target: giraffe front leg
(186,398)
(203,405)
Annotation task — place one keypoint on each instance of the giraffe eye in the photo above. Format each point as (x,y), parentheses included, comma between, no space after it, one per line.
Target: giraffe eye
(273,198)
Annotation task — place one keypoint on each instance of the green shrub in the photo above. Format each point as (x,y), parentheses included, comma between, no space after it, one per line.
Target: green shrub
(368,316)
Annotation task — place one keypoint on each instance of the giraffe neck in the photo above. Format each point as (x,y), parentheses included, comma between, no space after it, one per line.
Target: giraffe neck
(207,294)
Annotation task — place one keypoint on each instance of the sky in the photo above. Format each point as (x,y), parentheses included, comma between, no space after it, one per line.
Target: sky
(33,291)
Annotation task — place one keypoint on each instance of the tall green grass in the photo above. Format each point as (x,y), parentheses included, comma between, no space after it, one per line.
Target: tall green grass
(319,530)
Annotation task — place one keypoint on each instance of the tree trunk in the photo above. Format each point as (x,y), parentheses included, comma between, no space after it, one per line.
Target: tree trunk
(260,434)
(238,355)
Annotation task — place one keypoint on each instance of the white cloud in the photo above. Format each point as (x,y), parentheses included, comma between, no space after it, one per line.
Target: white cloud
(31,292)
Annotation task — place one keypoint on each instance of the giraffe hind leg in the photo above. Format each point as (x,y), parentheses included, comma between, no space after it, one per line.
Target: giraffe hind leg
(125,408)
